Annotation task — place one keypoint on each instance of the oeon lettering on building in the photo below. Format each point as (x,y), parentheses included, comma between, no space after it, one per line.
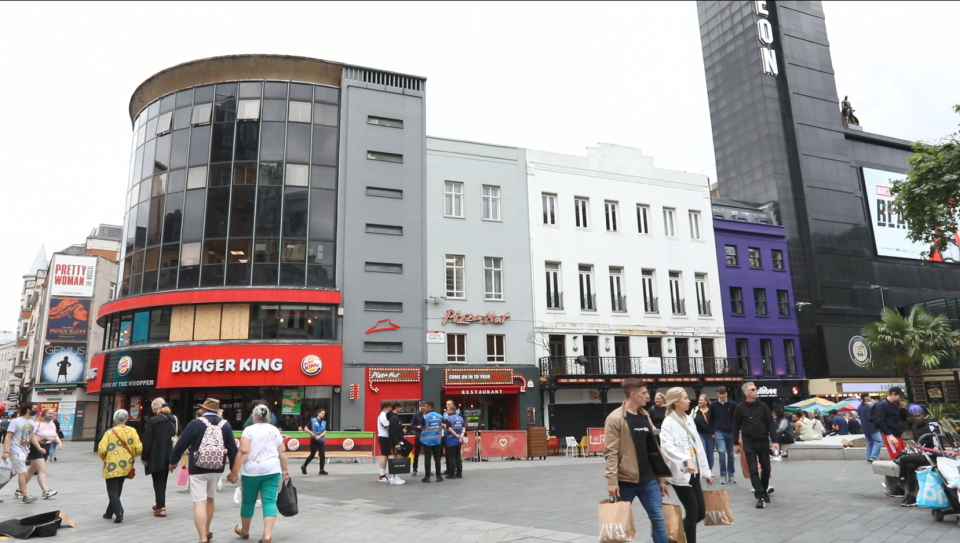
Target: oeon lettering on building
(768,56)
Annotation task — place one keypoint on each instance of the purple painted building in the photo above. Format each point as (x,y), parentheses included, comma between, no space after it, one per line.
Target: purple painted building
(759,310)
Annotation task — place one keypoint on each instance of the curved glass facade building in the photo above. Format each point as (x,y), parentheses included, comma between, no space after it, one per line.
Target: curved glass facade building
(233,184)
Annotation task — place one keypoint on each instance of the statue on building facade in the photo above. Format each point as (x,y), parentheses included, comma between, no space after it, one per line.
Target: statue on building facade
(846,112)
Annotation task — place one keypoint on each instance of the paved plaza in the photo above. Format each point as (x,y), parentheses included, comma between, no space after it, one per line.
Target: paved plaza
(533,501)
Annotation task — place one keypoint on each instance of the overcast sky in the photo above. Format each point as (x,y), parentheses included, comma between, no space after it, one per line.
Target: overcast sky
(550,76)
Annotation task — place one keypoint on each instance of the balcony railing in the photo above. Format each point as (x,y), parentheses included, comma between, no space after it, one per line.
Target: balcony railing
(650,305)
(703,307)
(554,300)
(679,306)
(588,302)
(559,366)
(619,304)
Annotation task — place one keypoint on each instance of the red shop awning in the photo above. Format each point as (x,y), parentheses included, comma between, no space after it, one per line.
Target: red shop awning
(481,390)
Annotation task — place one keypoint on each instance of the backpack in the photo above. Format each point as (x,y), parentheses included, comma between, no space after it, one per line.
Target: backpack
(873,416)
(211,454)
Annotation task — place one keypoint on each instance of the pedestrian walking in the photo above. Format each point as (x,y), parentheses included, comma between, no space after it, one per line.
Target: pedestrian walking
(211,444)
(634,463)
(317,428)
(159,436)
(889,417)
(722,409)
(753,422)
(659,410)
(453,430)
(48,433)
(383,439)
(260,464)
(686,458)
(397,442)
(704,421)
(118,448)
(4,424)
(37,455)
(17,443)
(430,438)
(416,426)
(870,432)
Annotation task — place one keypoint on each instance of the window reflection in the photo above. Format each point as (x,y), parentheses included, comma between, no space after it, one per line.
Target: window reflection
(274,321)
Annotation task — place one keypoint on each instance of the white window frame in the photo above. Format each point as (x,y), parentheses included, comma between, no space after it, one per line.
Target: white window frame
(618,299)
(643,219)
(493,278)
(587,288)
(581,213)
(649,280)
(694,219)
(458,357)
(611,213)
(491,202)
(498,354)
(554,285)
(453,199)
(669,220)
(455,274)
(549,202)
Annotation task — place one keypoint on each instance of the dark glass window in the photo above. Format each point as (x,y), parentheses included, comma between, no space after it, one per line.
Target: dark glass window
(760,300)
(176,181)
(240,251)
(299,91)
(181,118)
(295,213)
(271,142)
(178,149)
(225,103)
(131,230)
(135,284)
(271,173)
(272,321)
(325,145)
(149,153)
(137,164)
(731,254)
(203,94)
(218,208)
(136,263)
(783,303)
(238,275)
(293,251)
(248,140)
(220,175)
(153,110)
(222,147)
(241,211)
(274,110)
(250,90)
(189,277)
(193,214)
(320,252)
(199,145)
(173,218)
(152,259)
(273,89)
(149,282)
(324,178)
(167,279)
(143,216)
(268,212)
(185,98)
(161,161)
(265,274)
(298,143)
(160,325)
(777,258)
(166,104)
(266,250)
(293,275)
(155,224)
(245,173)
(754,257)
(736,300)
(170,256)
(320,276)
(323,214)
(327,95)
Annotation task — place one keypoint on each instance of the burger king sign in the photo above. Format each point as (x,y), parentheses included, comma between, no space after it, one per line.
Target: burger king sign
(311,365)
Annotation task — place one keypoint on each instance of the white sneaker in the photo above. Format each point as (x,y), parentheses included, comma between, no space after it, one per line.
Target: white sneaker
(238,495)
(49,494)
(259,503)
(383,479)
(397,481)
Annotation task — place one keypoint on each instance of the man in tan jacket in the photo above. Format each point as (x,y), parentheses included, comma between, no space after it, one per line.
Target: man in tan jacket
(632,452)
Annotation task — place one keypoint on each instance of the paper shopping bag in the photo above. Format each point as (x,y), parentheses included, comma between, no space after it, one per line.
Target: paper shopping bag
(616,522)
(718,508)
(183,472)
(674,521)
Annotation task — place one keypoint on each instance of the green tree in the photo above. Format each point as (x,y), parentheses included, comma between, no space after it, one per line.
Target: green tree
(909,344)
(929,197)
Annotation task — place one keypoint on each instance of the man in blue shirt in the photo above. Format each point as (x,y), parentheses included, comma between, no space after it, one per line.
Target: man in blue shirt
(839,423)
(417,427)
(872,435)
(430,438)
(317,428)
(453,430)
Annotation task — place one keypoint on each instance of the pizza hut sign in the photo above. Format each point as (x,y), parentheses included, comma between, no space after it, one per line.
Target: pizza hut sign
(394,375)
(459,317)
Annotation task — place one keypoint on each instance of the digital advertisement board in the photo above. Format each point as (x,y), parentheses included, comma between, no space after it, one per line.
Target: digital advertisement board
(73,276)
(63,363)
(68,319)
(889,227)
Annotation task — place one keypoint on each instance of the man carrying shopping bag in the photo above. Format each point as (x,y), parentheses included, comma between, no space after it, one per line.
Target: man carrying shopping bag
(634,463)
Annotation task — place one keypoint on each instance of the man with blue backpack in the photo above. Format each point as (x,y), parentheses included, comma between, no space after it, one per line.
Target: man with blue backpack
(317,428)
(453,430)
(430,440)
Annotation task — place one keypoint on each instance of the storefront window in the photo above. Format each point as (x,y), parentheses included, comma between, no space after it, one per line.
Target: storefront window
(141,327)
(160,325)
(276,321)
(126,330)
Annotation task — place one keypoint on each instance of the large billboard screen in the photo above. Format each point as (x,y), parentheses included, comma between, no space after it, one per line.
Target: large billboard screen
(73,276)
(63,363)
(68,319)
(889,227)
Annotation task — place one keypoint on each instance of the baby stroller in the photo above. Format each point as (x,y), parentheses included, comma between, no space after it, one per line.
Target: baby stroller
(930,446)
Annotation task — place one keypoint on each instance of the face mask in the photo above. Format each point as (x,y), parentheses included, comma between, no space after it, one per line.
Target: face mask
(33,413)
(48,418)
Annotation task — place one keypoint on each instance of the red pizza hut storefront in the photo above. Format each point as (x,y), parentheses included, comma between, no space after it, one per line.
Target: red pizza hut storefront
(491,398)
(295,380)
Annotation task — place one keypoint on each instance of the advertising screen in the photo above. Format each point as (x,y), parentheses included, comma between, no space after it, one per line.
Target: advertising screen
(68,319)
(63,363)
(889,227)
(73,276)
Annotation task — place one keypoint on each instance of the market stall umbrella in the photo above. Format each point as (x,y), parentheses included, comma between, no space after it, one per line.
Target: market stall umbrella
(847,405)
(812,405)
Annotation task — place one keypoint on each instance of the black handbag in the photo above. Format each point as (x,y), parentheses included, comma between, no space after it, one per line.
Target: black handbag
(657,464)
(287,499)
(397,466)
(405,448)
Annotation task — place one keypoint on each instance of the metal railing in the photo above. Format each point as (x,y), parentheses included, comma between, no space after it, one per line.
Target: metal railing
(679,306)
(588,302)
(554,300)
(559,366)
(650,305)
(619,304)
(703,307)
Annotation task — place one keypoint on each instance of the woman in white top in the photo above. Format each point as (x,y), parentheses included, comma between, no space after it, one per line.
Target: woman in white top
(261,460)
(816,427)
(684,454)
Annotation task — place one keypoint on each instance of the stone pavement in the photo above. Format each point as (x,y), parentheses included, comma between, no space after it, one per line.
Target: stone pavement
(525,501)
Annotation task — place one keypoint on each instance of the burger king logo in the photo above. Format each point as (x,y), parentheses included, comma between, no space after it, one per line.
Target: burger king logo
(311,365)
(293,444)
(348,444)
(124,365)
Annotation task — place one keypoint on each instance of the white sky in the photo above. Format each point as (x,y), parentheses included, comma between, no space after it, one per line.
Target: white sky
(549,76)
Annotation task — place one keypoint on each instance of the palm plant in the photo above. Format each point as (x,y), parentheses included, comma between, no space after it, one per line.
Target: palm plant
(948,415)
(911,344)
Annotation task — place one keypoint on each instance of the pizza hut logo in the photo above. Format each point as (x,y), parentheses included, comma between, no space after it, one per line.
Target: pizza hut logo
(311,365)
(348,444)
(124,366)
(293,444)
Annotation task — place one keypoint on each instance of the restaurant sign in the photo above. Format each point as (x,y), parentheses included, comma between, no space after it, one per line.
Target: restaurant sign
(394,375)
(475,376)
(459,317)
